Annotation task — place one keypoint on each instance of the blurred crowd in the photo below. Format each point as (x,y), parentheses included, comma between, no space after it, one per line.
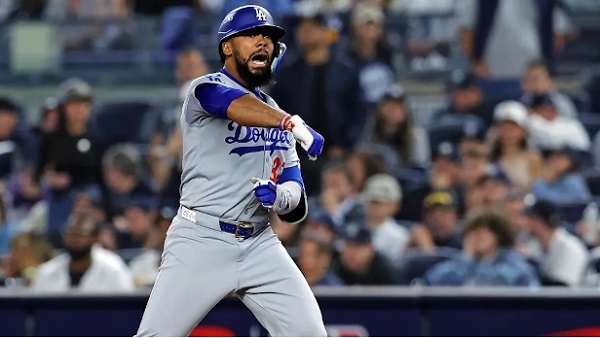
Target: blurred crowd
(498,188)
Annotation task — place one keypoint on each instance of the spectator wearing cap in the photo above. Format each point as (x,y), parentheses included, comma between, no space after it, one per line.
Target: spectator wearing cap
(473,138)
(320,222)
(564,256)
(466,100)
(510,148)
(144,267)
(537,80)
(499,37)
(548,130)
(490,190)
(488,257)
(383,198)
(132,231)
(444,174)
(70,158)
(85,265)
(368,48)
(323,89)
(315,257)
(17,145)
(124,177)
(392,133)
(361,264)
(561,183)
(439,226)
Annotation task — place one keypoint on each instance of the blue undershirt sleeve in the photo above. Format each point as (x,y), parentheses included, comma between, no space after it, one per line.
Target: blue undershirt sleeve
(291,174)
(215,99)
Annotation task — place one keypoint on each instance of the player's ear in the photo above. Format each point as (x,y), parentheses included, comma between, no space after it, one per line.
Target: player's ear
(226,49)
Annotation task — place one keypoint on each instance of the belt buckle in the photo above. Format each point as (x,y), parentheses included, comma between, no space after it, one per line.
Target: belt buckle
(243,225)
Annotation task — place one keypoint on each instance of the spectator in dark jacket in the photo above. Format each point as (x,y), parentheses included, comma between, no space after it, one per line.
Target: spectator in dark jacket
(323,89)
(315,258)
(360,263)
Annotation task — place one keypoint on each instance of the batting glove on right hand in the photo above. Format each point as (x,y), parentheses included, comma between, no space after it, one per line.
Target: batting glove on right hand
(309,139)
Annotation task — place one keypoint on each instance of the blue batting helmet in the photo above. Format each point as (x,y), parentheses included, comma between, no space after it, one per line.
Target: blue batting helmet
(246,18)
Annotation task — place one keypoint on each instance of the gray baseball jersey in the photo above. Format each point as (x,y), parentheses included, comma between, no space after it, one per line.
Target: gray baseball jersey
(200,264)
(220,157)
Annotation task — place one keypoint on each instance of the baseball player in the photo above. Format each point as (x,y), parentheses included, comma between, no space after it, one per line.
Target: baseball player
(239,166)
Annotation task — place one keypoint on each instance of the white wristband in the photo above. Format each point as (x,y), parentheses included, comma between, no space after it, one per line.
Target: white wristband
(288,197)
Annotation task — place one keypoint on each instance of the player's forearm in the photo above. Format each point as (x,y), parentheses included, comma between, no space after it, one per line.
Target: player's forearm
(251,112)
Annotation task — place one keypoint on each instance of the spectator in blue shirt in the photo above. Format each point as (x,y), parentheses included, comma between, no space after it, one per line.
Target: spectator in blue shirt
(560,182)
(315,259)
(488,257)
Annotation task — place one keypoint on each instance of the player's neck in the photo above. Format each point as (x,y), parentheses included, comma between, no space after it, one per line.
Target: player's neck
(232,72)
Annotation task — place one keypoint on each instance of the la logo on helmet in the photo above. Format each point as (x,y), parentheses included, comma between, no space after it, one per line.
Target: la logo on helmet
(260,14)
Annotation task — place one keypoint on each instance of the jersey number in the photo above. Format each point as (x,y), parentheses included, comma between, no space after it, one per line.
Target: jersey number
(277,164)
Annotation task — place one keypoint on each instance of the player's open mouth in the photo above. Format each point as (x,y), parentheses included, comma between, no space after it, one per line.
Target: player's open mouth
(259,59)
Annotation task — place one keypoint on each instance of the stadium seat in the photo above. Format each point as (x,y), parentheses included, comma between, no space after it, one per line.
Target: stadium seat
(125,122)
(591,122)
(501,89)
(414,263)
(592,178)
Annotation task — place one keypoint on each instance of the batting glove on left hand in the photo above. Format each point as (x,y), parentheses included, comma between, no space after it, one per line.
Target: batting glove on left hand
(309,139)
(271,195)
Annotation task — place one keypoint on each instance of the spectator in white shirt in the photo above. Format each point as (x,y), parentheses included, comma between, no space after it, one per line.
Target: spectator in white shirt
(548,130)
(85,266)
(382,195)
(564,257)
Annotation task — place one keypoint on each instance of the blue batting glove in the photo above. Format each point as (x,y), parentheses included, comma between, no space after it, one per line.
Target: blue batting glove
(265,191)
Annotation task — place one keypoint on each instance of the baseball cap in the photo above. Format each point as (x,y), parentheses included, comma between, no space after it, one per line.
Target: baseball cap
(146,203)
(473,129)
(545,210)
(366,13)
(539,100)
(74,89)
(511,111)
(310,10)
(7,106)
(460,79)
(495,172)
(319,215)
(357,233)
(382,188)
(446,149)
(395,92)
(439,199)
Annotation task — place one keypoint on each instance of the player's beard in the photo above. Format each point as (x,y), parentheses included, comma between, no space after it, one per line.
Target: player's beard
(252,79)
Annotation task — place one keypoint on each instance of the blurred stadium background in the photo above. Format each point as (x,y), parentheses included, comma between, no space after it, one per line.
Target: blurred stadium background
(459,192)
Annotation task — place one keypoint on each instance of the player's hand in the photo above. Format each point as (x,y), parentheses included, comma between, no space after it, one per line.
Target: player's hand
(309,139)
(271,195)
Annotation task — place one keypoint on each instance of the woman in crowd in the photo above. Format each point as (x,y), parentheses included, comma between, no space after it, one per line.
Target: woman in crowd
(391,133)
(510,149)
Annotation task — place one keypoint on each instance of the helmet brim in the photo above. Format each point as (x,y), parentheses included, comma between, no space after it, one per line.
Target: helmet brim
(274,31)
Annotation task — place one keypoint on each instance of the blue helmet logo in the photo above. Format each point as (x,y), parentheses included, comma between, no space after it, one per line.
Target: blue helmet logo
(245,18)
